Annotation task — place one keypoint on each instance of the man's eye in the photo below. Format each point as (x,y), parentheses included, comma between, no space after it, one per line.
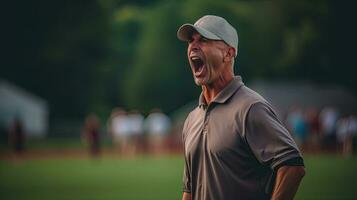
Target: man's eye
(204,39)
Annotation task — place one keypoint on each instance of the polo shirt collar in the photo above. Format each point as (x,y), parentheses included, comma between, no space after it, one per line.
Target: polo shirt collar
(225,94)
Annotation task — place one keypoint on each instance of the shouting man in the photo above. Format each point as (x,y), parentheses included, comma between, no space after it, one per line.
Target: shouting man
(235,147)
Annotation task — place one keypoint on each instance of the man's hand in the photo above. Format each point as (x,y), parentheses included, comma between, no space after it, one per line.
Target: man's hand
(287,182)
(186,196)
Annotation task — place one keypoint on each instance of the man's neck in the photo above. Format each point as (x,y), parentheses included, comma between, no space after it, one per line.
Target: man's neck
(210,91)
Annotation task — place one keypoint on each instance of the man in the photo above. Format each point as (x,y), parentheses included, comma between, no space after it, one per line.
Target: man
(91,134)
(234,145)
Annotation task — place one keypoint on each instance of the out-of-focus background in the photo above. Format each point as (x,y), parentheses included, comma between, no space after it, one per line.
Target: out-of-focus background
(93,94)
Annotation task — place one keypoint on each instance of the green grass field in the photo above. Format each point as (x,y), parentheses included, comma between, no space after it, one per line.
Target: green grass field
(328,177)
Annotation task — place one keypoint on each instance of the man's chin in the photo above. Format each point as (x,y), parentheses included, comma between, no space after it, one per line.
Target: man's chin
(200,81)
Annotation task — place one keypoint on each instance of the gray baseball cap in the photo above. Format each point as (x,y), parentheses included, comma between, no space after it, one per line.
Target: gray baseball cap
(211,27)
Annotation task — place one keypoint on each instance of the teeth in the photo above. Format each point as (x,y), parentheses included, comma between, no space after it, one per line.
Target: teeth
(195,58)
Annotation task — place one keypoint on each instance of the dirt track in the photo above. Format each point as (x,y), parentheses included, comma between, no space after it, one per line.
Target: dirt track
(83,153)
(76,153)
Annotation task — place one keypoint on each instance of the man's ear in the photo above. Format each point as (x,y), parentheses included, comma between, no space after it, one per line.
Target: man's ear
(230,54)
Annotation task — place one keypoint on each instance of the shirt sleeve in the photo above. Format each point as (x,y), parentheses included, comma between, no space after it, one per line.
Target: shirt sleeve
(268,139)
(186,179)
(186,171)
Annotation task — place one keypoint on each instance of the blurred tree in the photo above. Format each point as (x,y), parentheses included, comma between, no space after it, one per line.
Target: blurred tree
(159,76)
(54,49)
(85,56)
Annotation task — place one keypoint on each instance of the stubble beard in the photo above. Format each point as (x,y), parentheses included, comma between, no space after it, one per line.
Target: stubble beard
(209,78)
(206,80)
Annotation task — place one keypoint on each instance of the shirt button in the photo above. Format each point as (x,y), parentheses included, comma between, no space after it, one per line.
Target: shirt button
(204,130)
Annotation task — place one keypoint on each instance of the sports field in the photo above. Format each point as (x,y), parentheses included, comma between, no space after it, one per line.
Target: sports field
(328,177)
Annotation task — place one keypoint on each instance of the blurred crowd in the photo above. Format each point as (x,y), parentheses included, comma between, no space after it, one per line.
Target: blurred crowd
(131,132)
(323,130)
(316,131)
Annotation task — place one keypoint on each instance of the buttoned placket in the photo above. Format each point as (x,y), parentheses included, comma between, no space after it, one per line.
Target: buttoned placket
(207,110)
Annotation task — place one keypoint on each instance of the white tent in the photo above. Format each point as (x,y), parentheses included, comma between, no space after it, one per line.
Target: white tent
(31,110)
(305,94)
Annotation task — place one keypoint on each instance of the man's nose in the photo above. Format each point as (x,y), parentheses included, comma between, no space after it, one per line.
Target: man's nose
(194,46)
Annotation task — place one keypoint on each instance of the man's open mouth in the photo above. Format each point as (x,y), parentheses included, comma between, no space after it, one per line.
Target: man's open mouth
(198,65)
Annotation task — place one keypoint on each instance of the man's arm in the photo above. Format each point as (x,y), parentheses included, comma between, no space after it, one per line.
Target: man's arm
(287,182)
(186,196)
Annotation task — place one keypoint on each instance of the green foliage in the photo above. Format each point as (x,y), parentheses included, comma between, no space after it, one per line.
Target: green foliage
(159,70)
(277,40)
(160,76)
(91,56)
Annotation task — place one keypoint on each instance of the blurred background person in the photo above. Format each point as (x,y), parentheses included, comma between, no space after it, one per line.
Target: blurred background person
(346,128)
(17,137)
(343,136)
(136,132)
(353,131)
(297,125)
(313,126)
(91,134)
(118,128)
(157,126)
(328,119)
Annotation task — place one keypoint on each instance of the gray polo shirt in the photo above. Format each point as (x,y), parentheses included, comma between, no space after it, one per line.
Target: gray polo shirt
(232,146)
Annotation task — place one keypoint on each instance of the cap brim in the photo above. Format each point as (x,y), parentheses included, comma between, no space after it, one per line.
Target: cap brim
(186,31)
